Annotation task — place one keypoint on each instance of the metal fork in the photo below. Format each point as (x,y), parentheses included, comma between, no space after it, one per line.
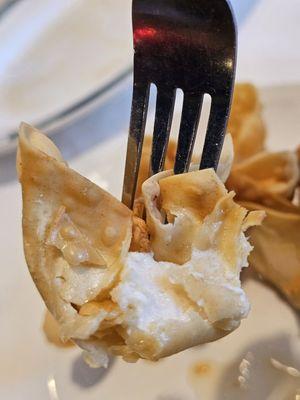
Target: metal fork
(186,44)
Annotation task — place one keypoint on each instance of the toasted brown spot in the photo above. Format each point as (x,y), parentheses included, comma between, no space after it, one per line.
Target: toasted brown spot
(140,237)
(201,369)
(93,307)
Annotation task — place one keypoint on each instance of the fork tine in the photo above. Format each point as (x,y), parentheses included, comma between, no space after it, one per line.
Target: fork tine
(163,119)
(140,99)
(192,104)
(216,128)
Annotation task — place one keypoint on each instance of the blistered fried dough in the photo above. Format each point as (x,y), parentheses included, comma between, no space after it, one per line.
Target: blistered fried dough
(178,284)
(191,212)
(245,123)
(195,197)
(198,253)
(277,251)
(50,188)
(265,176)
(173,241)
(223,170)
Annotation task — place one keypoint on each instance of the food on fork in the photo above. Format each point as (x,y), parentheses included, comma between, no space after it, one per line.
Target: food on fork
(119,285)
(267,181)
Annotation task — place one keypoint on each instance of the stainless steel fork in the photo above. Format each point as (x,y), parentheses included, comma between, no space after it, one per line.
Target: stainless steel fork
(186,44)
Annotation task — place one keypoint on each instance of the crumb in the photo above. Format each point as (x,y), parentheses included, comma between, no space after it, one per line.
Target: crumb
(201,368)
(140,237)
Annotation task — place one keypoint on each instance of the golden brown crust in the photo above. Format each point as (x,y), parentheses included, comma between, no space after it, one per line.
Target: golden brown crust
(265,175)
(276,252)
(199,195)
(140,236)
(268,182)
(245,123)
(47,185)
(52,331)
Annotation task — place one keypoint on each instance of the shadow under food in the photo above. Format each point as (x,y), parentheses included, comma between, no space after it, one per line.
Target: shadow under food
(262,380)
(85,376)
(8,168)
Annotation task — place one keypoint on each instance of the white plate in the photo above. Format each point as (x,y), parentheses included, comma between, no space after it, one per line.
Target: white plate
(62,58)
(58,57)
(31,368)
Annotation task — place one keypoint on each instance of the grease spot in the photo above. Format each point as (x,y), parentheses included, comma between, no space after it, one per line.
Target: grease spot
(201,369)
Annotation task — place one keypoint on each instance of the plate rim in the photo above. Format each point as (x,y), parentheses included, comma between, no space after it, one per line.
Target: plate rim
(76,108)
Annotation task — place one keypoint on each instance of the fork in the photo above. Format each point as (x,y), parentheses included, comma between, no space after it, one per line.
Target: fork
(186,44)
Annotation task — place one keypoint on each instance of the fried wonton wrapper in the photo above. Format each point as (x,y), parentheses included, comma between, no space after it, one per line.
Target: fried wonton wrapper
(265,176)
(270,182)
(177,287)
(277,250)
(245,123)
(223,171)
(72,255)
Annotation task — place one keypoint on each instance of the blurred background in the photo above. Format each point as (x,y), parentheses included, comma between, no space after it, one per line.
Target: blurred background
(66,67)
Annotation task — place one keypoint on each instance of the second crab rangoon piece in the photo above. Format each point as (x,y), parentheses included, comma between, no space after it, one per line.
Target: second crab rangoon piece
(277,249)
(108,293)
(265,176)
(268,181)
